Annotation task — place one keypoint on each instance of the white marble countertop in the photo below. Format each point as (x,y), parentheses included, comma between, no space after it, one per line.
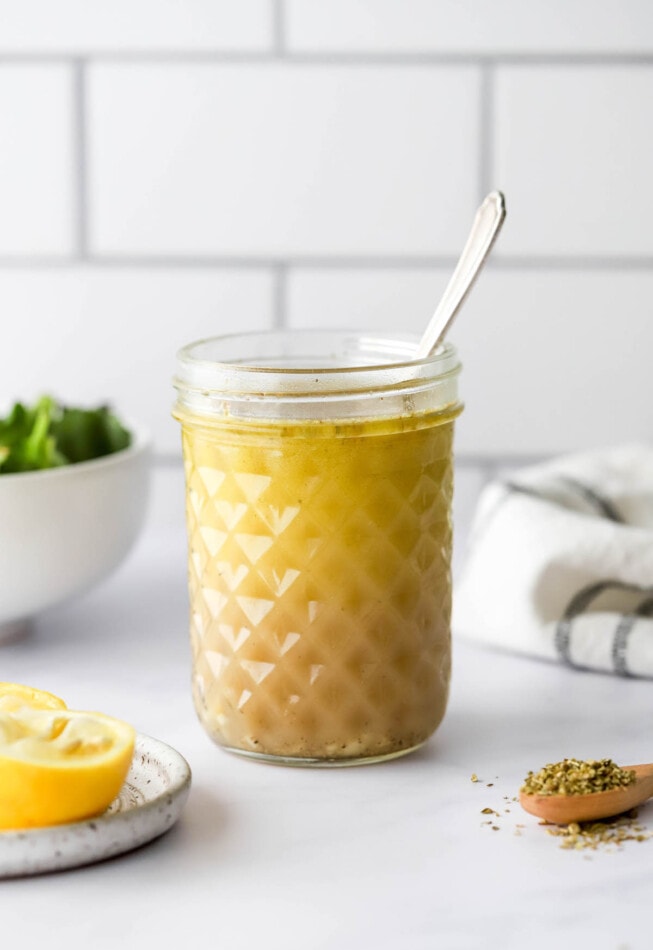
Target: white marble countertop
(387,856)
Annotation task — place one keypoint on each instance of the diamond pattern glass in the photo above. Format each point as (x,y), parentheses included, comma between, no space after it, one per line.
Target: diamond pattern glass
(319,572)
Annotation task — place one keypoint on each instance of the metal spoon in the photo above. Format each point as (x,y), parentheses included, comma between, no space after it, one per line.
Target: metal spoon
(487,224)
(563,809)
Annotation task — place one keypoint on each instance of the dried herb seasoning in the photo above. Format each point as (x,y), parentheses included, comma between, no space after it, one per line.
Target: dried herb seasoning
(577,777)
(603,835)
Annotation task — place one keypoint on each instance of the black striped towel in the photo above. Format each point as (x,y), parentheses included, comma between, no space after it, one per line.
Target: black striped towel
(560,563)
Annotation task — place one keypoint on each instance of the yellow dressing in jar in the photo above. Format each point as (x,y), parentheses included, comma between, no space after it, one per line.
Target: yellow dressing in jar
(319,566)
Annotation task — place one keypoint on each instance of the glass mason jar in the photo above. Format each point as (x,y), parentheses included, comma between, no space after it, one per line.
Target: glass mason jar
(319,477)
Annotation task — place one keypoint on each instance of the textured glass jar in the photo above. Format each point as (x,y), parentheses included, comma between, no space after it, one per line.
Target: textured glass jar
(319,482)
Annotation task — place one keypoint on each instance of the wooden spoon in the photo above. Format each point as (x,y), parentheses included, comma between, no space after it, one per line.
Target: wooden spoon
(564,809)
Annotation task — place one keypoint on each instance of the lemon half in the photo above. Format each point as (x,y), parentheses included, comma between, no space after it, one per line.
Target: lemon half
(14,696)
(59,765)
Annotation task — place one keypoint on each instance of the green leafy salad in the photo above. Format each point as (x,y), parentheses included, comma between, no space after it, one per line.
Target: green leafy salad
(47,435)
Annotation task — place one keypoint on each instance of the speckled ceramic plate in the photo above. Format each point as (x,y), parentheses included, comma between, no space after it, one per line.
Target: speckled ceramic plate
(150,802)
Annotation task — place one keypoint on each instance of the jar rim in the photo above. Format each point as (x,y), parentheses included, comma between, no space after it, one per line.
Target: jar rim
(353,374)
(224,361)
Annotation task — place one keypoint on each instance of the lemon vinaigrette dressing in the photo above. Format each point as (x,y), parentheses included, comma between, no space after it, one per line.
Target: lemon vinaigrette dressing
(319,563)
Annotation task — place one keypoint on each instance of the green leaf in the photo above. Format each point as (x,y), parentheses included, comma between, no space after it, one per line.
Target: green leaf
(48,435)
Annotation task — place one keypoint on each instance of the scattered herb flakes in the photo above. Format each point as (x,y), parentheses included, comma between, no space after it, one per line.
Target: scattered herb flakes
(576,777)
(609,834)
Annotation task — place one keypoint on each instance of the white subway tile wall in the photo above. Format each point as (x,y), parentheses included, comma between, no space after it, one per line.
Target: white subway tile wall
(88,26)
(573,149)
(37,194)
(469,26)
(281,161)
(367,297)
(171,170)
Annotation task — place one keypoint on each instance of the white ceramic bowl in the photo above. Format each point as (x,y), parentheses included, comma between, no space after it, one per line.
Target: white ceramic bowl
(64,529)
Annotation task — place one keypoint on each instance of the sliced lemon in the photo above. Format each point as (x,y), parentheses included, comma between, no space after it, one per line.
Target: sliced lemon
(59,766)
(14,696)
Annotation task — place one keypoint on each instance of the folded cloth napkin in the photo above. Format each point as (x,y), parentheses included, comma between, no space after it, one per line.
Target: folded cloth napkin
(560,563)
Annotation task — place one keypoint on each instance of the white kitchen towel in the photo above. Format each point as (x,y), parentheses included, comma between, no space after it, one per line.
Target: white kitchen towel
(560,563)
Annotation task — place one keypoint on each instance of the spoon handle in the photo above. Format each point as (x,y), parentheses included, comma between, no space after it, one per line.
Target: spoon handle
(487,224)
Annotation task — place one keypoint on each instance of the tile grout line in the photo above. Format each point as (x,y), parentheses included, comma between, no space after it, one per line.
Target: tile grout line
(279,27)
(505,262)
(79,171)
(334,58)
